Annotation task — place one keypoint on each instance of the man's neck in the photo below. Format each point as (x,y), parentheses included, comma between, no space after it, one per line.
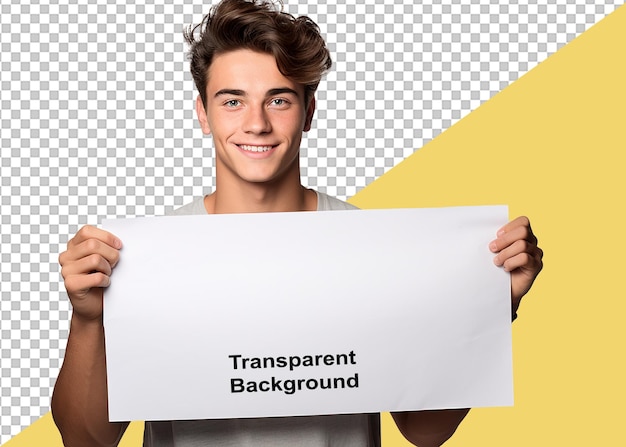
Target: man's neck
(281,196)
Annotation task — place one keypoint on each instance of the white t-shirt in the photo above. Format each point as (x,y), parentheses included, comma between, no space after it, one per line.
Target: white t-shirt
(347,430)
(324,203)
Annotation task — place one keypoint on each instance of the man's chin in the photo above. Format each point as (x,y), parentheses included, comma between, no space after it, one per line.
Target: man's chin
(261,178)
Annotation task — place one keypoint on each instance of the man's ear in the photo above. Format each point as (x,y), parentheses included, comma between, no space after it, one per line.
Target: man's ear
(202,117)
(309,114)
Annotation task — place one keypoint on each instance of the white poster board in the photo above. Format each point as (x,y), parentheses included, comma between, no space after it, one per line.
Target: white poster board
(254,315)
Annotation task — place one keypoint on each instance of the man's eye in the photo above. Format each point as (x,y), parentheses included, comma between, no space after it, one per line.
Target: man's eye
(279,102)
(232,103)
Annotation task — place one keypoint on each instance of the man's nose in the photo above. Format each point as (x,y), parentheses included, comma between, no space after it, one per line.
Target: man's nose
(257,120)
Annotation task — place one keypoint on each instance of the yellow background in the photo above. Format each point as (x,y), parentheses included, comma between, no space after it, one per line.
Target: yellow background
(552,146)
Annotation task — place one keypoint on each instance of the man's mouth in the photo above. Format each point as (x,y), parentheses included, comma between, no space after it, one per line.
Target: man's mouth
(249,148)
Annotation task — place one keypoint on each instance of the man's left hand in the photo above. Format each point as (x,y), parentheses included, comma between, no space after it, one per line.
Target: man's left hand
(518,253)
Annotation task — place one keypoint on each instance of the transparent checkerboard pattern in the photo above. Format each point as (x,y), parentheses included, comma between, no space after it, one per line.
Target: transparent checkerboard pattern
(97,121)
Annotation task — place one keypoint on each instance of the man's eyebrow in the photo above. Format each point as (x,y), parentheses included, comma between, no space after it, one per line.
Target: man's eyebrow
(228,91)
(271,92)
(281,91)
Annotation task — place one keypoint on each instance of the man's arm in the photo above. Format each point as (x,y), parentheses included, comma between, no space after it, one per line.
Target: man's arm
(516,252)
(79,402)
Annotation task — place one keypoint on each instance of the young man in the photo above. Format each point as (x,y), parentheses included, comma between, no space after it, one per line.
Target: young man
(256,70)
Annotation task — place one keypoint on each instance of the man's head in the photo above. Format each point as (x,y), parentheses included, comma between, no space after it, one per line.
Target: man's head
(257,25)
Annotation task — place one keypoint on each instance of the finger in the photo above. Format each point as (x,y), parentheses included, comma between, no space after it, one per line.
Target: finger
(510,236)
(89,264)
(521,221)
(81,284)
(90,232)
(522,260)
(530,262)
(519,251)
(87,248)
(96,246)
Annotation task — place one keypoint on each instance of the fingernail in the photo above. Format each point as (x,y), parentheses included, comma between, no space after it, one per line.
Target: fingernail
(493,246)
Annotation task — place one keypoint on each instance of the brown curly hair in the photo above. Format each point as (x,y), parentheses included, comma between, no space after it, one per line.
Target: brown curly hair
(295,42)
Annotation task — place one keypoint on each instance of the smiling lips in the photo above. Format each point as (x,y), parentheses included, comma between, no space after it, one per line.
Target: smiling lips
(249,148)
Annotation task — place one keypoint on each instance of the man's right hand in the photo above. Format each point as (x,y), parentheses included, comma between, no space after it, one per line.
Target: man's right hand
(79,401)
(86,267)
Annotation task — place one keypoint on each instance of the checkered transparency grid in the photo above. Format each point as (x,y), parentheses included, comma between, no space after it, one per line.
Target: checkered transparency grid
(96,120)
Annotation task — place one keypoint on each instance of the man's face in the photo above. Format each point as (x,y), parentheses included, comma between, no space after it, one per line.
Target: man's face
(256,116)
